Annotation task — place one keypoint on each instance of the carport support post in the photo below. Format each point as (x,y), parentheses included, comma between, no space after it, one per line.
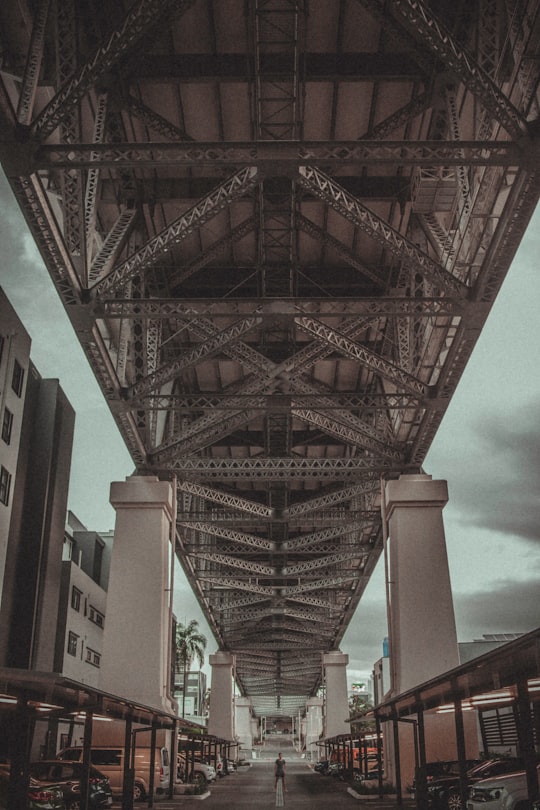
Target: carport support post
(221,714)
(460,746)
(87,743)
(395,730)
(129,774)
(336,699)
(525,734)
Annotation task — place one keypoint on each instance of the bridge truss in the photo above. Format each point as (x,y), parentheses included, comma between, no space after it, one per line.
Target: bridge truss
(277,227)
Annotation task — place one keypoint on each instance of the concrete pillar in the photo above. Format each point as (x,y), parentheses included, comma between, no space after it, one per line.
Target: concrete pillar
(313,727)
(423,639)
(336,703)
(221,714)
(243,725)
(138,624)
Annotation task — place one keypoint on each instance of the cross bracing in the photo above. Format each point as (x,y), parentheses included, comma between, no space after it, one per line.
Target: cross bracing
(278,235)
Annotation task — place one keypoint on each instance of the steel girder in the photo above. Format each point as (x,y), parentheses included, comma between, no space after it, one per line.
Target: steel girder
(277,274)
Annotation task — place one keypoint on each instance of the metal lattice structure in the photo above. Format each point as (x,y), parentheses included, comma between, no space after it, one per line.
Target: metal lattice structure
(278,227)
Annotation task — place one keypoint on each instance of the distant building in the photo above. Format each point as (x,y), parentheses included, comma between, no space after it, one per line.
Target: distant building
(489,641)
(83,602)
(194,704)
(467,650)
(35,460)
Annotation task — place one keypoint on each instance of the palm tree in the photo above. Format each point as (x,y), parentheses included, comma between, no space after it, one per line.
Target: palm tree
(190,645)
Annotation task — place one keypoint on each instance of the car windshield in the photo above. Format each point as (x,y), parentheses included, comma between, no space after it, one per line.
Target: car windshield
(495,766)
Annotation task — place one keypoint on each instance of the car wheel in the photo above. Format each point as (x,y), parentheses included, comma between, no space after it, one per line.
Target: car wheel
(200,779)
(454,801)
(139,793)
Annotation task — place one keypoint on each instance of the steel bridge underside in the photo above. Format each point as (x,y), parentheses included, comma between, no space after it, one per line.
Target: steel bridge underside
(278,228)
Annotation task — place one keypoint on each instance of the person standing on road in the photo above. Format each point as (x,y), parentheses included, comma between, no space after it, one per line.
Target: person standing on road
(279,771)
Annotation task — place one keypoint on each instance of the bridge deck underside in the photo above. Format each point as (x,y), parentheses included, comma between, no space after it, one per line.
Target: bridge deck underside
(278,229)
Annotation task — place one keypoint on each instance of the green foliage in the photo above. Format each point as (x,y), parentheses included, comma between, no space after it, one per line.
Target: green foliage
(359,705)
(190,646)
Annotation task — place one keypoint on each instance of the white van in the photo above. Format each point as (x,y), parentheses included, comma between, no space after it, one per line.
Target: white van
(109,760)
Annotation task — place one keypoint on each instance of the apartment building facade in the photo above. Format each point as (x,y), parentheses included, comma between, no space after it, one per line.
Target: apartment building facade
(15,346)
(35,466)
(83,602)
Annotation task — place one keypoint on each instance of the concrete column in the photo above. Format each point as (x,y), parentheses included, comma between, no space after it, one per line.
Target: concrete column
(336,704)
(313,726)
(221,713)
(423,640)
(243,725)
(137,634)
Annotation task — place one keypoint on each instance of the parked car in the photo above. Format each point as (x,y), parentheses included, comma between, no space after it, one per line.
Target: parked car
(506,792)
(67,776)
(321,766)
(443,768)
(202,772)
(39,798)
(444,791)
(109,760)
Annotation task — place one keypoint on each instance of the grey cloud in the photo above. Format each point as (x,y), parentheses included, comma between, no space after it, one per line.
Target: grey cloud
(506,607)
(494,474)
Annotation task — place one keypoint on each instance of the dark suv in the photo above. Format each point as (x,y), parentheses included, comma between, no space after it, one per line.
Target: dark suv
(444,792)
(67,776)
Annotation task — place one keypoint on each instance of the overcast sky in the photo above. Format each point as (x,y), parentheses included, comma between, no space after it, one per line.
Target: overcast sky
(488,448)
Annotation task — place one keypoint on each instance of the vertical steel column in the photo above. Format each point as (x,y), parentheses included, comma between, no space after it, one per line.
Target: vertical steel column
(524,727)
(462,755)
(87,744)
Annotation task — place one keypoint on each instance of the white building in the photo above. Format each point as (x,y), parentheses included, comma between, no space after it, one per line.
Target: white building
(83,602)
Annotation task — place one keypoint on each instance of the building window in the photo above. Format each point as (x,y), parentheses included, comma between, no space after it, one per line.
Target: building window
(17,378)
(5,485)
(73,639)
(76,598)
(95,616)
(7,425)
(93,657)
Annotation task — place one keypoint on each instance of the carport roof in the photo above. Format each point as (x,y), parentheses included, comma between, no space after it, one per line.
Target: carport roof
(50,694)
(499,669)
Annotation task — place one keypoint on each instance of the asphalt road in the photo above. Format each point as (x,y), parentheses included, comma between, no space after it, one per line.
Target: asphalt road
(252,787)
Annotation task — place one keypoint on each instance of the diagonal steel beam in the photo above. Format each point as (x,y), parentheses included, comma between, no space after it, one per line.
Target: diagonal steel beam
(156,122)
(207,208)
(233,235)
(242,538)
(197,436)
(234,562)
(322,562)
(369,488)
(193,356)
(143,17)
(307,541)
(225,498)
(342,250)
(33,63)
(346,433)
(371,360)
(378,229)
(419,20)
